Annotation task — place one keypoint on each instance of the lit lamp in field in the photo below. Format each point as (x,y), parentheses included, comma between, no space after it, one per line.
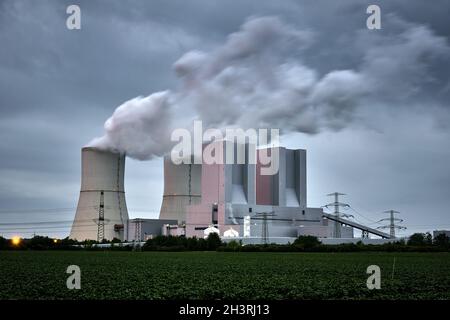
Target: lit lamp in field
(16,240)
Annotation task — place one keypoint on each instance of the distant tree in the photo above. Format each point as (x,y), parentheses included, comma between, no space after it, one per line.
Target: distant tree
(116,240)
(233,245)
(67,242)
(3,243)
(420,239)
(89,243)
(213,241)
(428,239)
(442,240)
(307,242)
(39,243)
(202,244)
(167,242)
(192,243)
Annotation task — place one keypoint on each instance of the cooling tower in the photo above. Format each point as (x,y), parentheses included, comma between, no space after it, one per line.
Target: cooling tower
(182,187)
(102,194)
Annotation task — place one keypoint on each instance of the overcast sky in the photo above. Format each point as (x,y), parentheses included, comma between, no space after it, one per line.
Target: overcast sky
(58,86)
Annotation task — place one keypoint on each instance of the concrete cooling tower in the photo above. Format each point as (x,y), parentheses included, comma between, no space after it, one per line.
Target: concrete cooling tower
(102,211)
(182,187)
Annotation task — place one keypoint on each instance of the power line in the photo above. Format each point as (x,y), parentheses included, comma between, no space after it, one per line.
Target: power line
(28,232)
(59,210)
(358,213)
(34,222)
(49,222)
(34,210)
(429,225)
(34,228)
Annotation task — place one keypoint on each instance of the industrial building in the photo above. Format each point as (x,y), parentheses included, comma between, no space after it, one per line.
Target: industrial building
(182,188)
(438,232)
(227,195)
(144,229)
(233,199)
(102,210)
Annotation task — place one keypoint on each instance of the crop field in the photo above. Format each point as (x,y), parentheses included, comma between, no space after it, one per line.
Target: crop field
(220,275)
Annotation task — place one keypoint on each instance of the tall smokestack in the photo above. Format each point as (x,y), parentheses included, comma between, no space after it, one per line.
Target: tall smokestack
(102,194)
(182,187)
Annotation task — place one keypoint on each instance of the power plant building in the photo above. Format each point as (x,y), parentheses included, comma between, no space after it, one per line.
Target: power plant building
(102,210)
(235,198)
(182,188)
(228,193)
(143,229)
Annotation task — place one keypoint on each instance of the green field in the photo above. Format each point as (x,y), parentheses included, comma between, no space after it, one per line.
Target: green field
(216,275)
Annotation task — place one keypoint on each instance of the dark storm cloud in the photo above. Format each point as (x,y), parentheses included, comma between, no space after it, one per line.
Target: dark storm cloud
(57,87)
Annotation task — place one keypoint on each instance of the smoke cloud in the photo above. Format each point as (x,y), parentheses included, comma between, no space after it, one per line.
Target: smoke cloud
(257,79)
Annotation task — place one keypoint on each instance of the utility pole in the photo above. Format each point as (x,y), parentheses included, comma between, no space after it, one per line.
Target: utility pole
(392,226)
(336,204)
(101,218)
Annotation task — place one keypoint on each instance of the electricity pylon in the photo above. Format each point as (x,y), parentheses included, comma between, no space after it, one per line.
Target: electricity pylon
(336,204)
(101,219)
(392,226)
(265,226)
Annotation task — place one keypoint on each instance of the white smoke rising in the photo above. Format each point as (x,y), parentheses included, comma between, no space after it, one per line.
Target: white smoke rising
(256,79)
(138,127)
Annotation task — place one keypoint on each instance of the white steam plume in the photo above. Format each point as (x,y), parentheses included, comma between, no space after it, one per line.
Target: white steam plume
(256,79)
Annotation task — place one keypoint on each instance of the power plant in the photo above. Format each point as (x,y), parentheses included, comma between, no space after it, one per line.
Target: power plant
(182,188)
(233,199)
(232,193)
(102,210)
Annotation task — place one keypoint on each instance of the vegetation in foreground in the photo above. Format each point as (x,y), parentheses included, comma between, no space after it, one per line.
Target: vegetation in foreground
(223,275)
(418,242)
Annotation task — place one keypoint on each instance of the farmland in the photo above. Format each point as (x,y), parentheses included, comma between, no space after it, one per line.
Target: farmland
(222,275)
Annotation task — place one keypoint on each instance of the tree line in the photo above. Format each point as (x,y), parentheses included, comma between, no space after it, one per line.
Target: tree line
(421,242)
